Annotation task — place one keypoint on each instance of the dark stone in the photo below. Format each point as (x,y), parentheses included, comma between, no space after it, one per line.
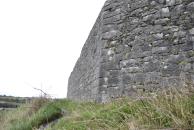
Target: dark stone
(127,79)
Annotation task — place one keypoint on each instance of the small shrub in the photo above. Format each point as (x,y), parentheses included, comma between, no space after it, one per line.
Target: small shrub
(45,114)
(37,103)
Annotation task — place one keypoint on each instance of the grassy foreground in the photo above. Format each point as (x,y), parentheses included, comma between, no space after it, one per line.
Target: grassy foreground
(169,109)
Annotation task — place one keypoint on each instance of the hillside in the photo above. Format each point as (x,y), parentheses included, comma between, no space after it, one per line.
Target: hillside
(161,110)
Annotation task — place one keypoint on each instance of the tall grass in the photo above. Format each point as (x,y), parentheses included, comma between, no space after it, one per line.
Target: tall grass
(171,108)
(166,109)
(29,116)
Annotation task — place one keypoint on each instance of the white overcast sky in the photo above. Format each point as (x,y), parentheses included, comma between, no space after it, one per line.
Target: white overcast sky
(40,41)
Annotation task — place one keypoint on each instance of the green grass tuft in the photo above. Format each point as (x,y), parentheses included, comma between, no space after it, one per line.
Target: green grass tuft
(168,109)
(29,116)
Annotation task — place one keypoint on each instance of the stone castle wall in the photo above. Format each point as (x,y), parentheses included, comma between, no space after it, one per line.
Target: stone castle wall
(142,45)
(83,81)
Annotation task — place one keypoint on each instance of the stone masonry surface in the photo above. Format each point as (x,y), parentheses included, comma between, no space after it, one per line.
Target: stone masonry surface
(135,46)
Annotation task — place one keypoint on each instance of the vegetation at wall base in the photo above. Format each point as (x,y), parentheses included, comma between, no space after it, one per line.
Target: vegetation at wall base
(160,110)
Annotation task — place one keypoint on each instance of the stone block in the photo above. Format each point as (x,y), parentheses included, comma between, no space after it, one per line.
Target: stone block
(191,31)
(171,70)
(110,66)
(170,2)
(134,69)
(113,81)
(110,34)
(152,78)
(129,63)
(165,12)
(139,78)
(159,50)
(190,6)
(151,66)
(127,79)
(175,59)
(187,46)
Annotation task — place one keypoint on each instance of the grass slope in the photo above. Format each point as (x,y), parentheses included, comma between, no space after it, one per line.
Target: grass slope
(169,109)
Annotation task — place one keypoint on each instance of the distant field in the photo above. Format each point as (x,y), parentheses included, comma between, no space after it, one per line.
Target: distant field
(8,102)
(13,99)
